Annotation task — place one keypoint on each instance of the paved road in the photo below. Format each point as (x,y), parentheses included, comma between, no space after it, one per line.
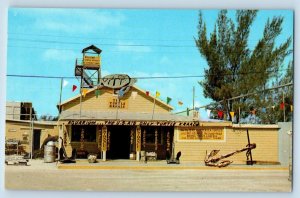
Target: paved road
(49,177)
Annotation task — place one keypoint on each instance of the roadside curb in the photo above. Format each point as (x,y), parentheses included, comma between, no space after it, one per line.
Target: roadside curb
(91,167)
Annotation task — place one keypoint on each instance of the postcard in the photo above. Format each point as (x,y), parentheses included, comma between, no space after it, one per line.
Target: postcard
(149,100)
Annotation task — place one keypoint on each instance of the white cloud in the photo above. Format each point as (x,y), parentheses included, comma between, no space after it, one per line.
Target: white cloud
(59,55)
(165,60)
(73,20)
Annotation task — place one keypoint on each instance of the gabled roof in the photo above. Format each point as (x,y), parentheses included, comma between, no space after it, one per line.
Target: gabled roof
(92,47)
(135,87)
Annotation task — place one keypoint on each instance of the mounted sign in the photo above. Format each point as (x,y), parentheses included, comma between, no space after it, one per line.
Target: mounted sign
(203,134)
(134,123)
(115,103)
(91,62)
(117,81)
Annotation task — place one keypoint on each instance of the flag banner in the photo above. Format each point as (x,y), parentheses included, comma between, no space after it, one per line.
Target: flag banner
(208,113)
(65,83)
(282,106)
(168,100)
(133,95)
(74,88)
(187,111)
(97,93)
(157,94)
(121,93)
(273,107)
(84,91)
(232,114)
(291,106)
(147,93)
(220,114)
(180,103)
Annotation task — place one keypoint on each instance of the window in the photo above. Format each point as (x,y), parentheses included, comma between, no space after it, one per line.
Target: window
(89,133)
(150,134)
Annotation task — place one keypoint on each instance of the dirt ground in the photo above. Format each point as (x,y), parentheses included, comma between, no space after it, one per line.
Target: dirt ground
(115,176)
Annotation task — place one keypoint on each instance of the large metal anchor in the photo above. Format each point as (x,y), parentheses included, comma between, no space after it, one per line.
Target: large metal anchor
(212,160)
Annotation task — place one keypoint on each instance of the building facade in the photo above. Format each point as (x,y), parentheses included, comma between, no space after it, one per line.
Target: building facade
(121,128)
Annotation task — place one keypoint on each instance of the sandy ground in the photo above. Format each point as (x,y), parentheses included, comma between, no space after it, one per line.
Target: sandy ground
(135,176)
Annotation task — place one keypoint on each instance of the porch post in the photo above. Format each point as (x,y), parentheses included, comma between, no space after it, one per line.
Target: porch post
(138,142)
(104,142)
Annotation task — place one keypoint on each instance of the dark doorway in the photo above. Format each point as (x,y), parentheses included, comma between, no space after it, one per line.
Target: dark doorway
(36,139)
(119,142)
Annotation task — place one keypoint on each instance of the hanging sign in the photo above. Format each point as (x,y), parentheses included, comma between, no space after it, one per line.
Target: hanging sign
(104,138)
(138,138)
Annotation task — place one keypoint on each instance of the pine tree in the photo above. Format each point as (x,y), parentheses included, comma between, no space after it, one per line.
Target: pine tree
(233,68)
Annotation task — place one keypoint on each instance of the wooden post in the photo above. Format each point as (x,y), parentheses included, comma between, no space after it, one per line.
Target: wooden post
(100,140)
(156,140)
(249,151)
(104,142)
(138,142)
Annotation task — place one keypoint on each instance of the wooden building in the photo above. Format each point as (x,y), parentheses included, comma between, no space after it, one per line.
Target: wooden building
(101,123)
(26,133)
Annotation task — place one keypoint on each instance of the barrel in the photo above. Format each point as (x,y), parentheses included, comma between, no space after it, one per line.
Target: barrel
(49,153)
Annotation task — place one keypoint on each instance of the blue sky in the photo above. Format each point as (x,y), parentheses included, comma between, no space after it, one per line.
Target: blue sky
(47,42)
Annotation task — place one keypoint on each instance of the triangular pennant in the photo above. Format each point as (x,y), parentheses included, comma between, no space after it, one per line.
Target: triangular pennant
(65,83)
(208,113)
(133,95)
(273,107)
(282,105)
(74,88)
(197,108)
(157,94)
(84,91)
(147,93)
(232,114)
(180,103)
(220,114)
(168,100)
(121,93)
(97,93)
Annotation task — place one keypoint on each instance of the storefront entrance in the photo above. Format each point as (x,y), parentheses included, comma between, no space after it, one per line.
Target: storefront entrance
(119,142)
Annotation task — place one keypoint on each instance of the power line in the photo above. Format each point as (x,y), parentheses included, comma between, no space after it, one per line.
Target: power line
(102,38)
(141,77)
(240,96)
(105,44)
(114,51)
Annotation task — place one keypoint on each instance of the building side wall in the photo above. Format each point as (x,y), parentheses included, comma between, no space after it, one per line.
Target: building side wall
(21,131)
(90,102)
(235,139)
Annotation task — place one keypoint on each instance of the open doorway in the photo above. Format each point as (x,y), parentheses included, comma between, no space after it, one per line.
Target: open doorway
(36,139)
(119,142)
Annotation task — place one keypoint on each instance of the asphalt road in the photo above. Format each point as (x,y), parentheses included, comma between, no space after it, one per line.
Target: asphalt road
(49,177)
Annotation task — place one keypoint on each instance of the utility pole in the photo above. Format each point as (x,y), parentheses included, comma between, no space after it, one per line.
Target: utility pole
(283,102)
(193,97)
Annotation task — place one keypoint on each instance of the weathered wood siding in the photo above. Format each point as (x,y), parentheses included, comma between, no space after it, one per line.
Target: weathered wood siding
(266,140)
(142,102)
(17,130)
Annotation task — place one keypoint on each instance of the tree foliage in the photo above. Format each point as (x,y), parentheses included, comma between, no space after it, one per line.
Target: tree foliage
(233,68)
